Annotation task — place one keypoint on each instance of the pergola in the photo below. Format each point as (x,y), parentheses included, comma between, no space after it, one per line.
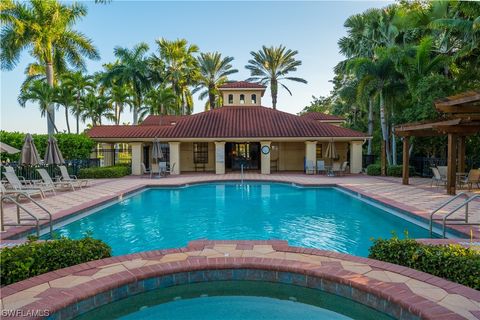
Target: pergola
(461,118)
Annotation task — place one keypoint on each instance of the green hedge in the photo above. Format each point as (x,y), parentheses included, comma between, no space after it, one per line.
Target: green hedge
(104,172)
(393,171)
(73,146)
(452,262)
(35,258)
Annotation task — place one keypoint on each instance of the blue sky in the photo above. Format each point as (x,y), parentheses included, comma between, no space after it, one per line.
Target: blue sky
(232,28)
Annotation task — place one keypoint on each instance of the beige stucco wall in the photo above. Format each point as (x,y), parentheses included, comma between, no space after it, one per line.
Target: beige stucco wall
(186,157)
(342,150)
(290,156)
(236,97)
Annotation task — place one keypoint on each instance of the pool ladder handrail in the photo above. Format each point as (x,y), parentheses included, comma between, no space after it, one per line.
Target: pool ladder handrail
(241,174)
(465,223)
(442,206)
(27,211)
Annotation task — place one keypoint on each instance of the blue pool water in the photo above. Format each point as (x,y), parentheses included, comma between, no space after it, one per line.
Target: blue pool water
(323,218)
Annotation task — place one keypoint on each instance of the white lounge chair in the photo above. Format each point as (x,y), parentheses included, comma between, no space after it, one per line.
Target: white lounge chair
(29,192)
(309,167)
(72,178)
(49,183)
(12,170)
(15,183)
(320,166)
(437,177)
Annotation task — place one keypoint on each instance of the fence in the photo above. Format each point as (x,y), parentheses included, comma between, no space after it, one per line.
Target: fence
(422,165)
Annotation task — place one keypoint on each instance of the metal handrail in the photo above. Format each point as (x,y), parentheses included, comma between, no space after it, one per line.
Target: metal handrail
(28,212)
(464,204)
(442,206)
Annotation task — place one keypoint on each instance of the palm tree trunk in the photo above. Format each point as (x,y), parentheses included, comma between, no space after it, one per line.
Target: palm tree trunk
(77,113)
(120,107)
(136,106)
(383,125)
(66,119)
(274,91)
(211,97)
(50,108)
(370,125)
(394,144)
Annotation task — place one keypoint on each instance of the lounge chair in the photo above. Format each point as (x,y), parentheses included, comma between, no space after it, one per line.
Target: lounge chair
(343,168)
(321,166)
(49,183)
(28,192)
(437,177)
(473,177)
(309,167)
(15,183)
(336,168)
(163,168)
(12,170)
(73,179)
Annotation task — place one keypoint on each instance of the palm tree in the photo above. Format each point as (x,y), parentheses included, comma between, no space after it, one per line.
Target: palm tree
(180,67)
(160,101)
(131,69)
(271,65)
(65,97)
(95,108)
(39,92)
(79,84)
(119,97)
(45,27)
(214,71)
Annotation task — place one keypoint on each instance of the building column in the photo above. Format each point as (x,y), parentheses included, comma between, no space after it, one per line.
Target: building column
(220,157)
(406,160)
(137,158)
(265,158)
(452,164)
(108,154)
(461,154)
(356,156)
(311,152)
(174,157)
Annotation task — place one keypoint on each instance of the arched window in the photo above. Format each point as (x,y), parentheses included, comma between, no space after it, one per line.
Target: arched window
(242,99)
(254,99)
(230,99)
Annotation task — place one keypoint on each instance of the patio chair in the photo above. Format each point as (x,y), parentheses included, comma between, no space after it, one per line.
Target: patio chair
(309,167)
(12,170)
(336,168)
(145,170)
(15,183)
(164,170)
(473,177)
(321,166)
(443,171)
(437,178)
(72,178)
(54,185)
(28,192)
(343,168)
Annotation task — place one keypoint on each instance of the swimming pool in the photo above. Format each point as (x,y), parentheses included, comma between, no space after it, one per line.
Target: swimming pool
(324,218)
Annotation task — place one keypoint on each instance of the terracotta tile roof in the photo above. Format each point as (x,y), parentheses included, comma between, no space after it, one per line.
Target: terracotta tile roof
(230,122)
(160,120)
(322,116)
(242,85)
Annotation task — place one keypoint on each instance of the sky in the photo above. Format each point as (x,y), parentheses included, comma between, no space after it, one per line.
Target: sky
(231,28)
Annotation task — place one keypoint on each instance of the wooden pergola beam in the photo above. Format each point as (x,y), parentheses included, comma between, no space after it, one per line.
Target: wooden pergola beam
(452,164)
(462,98)
(406,160)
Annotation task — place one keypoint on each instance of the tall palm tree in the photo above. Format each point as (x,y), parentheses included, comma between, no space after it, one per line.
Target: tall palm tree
(160,101)
(65,97)
(79,84)
(131,69)
(271,65)
(39,92)
(119,97)
(46,28)
(95,108)
(181,69)
(214,71)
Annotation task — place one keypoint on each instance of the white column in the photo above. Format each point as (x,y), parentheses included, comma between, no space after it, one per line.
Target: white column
(137,153)
(356,156)
(265,158)
(174,157)
(311,151)
(220,157)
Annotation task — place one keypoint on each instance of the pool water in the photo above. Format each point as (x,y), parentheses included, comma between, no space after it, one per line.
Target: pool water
(235,300)
(160,218)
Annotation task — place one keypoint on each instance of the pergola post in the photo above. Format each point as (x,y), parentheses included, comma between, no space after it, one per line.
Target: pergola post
(406,160)
(461,154)
(383,158)
(452,164)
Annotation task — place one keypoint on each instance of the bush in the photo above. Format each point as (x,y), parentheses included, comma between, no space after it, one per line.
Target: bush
(73,146)
(104,172)
(35,258)
(396,171)
(452,262)
(374,170)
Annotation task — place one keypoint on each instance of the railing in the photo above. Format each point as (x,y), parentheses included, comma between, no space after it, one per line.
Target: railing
(33,217)
(464,204)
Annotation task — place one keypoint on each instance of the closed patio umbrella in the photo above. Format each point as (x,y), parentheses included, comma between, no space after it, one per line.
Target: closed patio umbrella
(29,152)
(331,152)
(53,155)
(8,149)
(157,153)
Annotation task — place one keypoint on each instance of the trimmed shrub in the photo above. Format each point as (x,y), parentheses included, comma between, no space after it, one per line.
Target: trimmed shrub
(35,258)
(104,172)
(452,262)
(374,170)
(73,146)
(396,171)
